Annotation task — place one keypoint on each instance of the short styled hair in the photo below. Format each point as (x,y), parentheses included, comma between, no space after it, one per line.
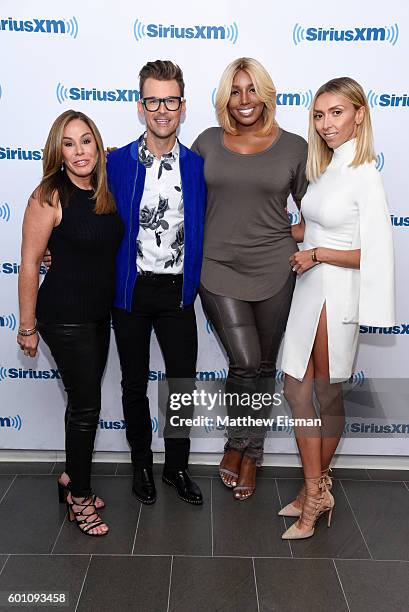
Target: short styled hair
(161,70)
(319,153)
(263,85)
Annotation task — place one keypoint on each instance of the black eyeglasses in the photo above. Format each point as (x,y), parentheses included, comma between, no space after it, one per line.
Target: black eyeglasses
(172,103)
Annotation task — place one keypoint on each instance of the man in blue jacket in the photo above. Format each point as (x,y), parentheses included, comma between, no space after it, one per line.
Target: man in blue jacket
(160,193)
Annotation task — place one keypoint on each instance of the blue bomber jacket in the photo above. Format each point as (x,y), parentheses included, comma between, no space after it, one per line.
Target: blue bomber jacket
(126,179)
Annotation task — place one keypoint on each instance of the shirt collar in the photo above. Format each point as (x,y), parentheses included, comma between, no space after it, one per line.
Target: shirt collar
(147,158)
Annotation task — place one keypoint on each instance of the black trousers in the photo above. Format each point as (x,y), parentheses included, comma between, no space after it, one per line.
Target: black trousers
(251,334)
(156,305)
(80,352)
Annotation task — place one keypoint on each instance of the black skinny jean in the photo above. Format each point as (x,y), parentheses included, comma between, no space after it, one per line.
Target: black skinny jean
(251,334)
(80,351)
(156,305)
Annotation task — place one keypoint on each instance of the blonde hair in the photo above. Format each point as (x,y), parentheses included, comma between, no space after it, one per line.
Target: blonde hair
(263,85)
(319,153)
(54,181)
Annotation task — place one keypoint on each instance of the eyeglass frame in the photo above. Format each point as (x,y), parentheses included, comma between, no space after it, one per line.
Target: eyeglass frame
(160,100)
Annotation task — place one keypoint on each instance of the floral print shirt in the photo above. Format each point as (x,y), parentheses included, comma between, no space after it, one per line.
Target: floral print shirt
(160,241)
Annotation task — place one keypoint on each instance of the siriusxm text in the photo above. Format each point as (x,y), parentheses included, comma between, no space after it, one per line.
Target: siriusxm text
(44,26)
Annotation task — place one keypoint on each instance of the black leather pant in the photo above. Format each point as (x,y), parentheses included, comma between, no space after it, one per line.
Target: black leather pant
(251,334)
(80,352)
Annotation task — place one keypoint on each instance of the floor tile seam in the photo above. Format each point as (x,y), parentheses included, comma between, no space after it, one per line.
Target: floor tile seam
(341,585)
(58,534)
(356,520)
(136,529)
(4,564)
(83,583)
(335,478)
(255,583)
(178,555)
(8,488)
(285,522)
(170,583)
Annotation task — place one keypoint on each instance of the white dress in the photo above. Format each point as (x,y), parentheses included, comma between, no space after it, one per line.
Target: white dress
(344,209)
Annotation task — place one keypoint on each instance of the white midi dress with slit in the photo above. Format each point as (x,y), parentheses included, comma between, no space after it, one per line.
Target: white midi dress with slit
(344,209)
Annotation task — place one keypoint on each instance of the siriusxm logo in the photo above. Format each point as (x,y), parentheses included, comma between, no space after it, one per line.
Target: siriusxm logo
(389,34)
(294,217)
(285,98)
(8,321)
(96,95)
(395,330)
(8,267)
(196,32)
(399,221)
(380,161)
(13,422)
(4,212)
(20,373)
(356,378)
(376,428)
(121,424)
(209,326)
(41,26)
(202,375)
(387,99)
(21,154)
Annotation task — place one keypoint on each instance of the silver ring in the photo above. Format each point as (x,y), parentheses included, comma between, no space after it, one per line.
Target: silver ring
(294,269)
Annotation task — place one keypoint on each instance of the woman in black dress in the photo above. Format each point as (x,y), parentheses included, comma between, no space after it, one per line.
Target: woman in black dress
(72,213)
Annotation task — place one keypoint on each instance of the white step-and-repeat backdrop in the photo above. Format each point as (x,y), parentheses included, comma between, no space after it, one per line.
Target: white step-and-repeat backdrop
(86,56)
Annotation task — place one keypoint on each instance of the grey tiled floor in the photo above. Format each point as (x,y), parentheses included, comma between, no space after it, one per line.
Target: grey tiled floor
(223,556)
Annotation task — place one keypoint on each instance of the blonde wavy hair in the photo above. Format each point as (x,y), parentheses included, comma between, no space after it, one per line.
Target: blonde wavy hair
(319,153)
(54,181)
(263,85)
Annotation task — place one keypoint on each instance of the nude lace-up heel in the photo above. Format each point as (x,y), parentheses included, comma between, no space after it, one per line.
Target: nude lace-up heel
(293,509)
(317,501)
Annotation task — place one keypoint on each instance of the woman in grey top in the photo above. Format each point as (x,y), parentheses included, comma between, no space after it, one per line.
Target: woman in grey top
(251,167)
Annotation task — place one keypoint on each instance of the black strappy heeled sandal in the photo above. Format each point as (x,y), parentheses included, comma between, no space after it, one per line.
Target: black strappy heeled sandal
(87,521)
(63,491)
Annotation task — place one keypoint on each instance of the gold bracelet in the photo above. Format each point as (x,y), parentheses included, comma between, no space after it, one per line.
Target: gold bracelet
(27,332)
(314,256)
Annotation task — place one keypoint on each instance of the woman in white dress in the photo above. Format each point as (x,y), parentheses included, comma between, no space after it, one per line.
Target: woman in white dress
(345,277)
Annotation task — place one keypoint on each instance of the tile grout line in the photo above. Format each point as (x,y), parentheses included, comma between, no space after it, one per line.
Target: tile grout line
(340,559)
(83,582)
(136,530)
(8,488)
(285,522)
(255,582)
(170,583)
(355,519)
(336,479)
(58,534)
(211,515)
(4,564)
(341,585)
